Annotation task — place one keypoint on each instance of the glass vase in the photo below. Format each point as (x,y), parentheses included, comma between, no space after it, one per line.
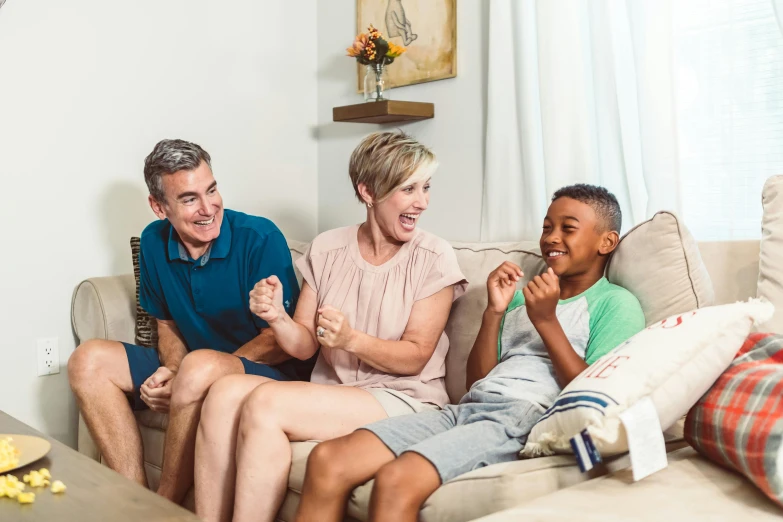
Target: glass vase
(375,88)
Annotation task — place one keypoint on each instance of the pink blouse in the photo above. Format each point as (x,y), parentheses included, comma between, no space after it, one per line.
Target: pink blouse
(378,301)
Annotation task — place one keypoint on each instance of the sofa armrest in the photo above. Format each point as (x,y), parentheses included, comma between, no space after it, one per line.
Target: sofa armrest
(105,308)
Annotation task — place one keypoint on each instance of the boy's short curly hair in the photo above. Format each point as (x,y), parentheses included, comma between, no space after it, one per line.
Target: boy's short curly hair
(603,202)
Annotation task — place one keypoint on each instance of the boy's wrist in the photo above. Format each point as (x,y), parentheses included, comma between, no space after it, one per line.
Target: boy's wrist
(545,322)
(490,313)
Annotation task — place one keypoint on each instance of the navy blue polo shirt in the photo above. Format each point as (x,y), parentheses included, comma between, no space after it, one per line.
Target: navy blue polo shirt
(208,298)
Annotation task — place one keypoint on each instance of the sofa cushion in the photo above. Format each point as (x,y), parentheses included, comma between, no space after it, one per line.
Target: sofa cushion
(473,494)
(297,249)
(770,281)
(691,488)
(477,260)
(659,262)
(673,362)
(739,421)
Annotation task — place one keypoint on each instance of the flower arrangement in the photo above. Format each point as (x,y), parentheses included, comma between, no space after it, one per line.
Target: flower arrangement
(371,48)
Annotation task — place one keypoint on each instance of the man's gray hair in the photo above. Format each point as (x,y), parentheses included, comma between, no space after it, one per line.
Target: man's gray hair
(168,157)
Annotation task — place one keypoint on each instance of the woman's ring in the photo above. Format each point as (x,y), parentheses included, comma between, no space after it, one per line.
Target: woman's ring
(320,331)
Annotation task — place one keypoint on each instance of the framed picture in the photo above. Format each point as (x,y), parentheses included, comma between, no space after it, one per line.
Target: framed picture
(427,28)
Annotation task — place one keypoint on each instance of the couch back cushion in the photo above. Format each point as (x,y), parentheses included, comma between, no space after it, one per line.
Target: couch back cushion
(770,281)
(659,262)
(477,260)
(297,248)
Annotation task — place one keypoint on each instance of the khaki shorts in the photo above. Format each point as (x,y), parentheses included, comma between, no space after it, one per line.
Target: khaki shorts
(396,403)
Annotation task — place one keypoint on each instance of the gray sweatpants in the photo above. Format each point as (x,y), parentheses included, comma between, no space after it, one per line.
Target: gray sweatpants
(483,429)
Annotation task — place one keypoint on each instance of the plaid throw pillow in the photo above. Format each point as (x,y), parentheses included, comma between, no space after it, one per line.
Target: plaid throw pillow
(739,422)
(146,327)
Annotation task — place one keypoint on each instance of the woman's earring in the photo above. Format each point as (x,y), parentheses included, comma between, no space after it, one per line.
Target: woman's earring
(369,205)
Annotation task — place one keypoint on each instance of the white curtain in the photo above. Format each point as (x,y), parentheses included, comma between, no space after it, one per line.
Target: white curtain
(777,5)
(579,91)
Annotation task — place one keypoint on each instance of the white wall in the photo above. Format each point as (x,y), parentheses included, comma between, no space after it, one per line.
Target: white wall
(456,134)
(86,89)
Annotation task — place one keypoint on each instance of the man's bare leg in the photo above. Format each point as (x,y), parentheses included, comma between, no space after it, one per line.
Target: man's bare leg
(198,371)
(100,377)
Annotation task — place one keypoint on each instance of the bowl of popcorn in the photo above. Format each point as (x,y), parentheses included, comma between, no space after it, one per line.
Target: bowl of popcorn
(17,451)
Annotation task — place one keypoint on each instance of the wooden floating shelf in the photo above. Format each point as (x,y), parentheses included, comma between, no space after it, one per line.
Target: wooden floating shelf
(389,111)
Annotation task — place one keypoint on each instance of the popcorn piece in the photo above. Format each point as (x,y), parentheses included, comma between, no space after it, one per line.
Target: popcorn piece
(10,486)
(9,455)
(36,479)
(26,498)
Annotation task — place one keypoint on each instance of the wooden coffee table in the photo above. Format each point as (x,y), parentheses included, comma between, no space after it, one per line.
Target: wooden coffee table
(95,493)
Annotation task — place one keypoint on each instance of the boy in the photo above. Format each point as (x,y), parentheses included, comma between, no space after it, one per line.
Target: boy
(531,343)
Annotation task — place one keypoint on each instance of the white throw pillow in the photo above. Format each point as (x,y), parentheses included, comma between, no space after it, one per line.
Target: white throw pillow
(674,362)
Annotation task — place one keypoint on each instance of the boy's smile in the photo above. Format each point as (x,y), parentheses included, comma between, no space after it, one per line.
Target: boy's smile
(571,238)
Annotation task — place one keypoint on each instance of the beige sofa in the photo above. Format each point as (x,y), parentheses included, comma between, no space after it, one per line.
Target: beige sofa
(104,308)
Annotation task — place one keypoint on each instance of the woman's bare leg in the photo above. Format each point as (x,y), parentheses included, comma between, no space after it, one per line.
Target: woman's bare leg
(277,413)
(215,468)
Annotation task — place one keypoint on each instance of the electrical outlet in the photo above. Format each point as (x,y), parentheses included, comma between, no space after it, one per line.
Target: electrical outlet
(48,356)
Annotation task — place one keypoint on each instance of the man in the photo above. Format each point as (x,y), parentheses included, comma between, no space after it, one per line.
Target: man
(197,267)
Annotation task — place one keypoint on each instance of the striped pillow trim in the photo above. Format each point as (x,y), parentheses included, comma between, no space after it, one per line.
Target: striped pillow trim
(146,326)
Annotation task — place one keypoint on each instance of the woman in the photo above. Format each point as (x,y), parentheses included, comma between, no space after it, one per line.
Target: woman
(376,298)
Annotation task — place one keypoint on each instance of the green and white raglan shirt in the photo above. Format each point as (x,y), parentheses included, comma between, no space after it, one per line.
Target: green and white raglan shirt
(595,322)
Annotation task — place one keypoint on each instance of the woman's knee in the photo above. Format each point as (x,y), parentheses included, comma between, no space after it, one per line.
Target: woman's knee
(225,396)
(264,406)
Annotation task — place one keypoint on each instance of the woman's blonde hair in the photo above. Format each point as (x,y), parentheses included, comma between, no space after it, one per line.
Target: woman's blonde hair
(384,161)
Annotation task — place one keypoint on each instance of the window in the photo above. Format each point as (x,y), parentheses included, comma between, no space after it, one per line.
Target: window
(728,82)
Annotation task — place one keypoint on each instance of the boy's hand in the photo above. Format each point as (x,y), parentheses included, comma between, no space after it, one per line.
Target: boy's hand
(501,284)
(541,296)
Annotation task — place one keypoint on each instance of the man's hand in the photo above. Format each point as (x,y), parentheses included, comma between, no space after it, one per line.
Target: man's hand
(541,296)
(501,285)
(156,391)
(334,328)
(266,299)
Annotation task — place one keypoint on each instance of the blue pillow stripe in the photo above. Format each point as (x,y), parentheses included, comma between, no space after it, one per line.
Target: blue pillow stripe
(606,396)
(573,406)
(575,401)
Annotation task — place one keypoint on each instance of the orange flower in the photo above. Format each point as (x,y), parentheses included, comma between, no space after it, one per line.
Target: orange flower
(395,50)
(359,45)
